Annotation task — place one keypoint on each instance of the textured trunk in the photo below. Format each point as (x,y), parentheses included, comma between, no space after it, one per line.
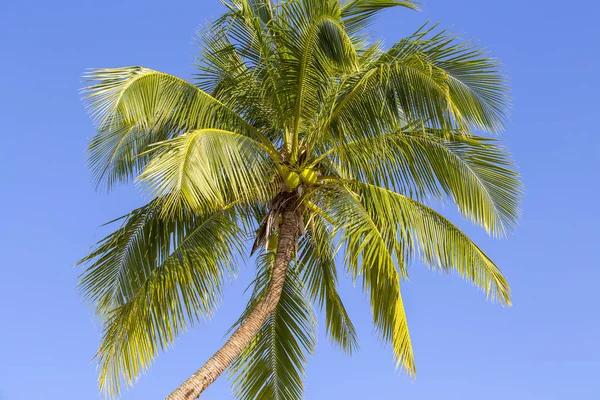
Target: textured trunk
(288,236)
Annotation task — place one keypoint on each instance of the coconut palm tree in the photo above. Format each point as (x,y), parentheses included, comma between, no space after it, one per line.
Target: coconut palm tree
(298,140)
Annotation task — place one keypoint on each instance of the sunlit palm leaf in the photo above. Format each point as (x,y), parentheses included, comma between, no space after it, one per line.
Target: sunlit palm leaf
(150,280)
(319,273)
(151,98)
(429,77)
(115,153)
(359,14)
(439,243)
(476,88)
(375,256)
(422,163)
(317,46)
(272,366)
(135,106)
(207,169)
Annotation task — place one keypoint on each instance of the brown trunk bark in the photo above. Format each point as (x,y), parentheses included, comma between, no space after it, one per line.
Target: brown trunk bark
(288,236)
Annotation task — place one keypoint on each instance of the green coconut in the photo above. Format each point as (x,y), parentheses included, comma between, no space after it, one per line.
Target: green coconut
(309,176)
(290,178)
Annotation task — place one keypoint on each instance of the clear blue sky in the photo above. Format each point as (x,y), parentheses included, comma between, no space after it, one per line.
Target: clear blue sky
(545,347)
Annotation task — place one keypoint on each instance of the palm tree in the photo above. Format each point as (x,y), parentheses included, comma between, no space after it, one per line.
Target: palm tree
(299,139)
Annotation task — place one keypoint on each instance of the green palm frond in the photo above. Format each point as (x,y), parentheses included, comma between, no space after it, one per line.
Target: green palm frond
(116,152)
(209,168)
(135,107)
(359,14)
(251,92)
(242,64)
(422,163)
(150,280)
(375,255)
(150,98)
(117,261)
(318,271)
(272,366)
(439,243)
(477,92)
(317,46)
(427,77)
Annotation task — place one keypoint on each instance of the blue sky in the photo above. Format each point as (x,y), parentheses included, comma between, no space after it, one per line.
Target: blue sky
(545,347)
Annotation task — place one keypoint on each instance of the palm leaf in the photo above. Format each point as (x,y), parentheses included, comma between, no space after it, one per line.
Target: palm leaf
(135,106)
(425,163)
(208,169)
(374,255)
(316,46)
(150,280)
(272,366)
(359,14)
(427,77)
(440,244)
(318,271)
(251,91)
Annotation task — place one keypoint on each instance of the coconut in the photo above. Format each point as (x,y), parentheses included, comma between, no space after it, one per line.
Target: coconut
(309,176)
(291,179)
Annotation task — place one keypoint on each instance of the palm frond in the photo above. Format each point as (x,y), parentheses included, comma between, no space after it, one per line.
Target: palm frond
(425,163)
(134,107)
(150,280)
(316,45)
(359,14)
(375,255)
(117,262)
(150,98)
(477,92)
(318,271)
(272,366)
(238,67)
(209,168)
(428,77)
(439,243)
(116,153)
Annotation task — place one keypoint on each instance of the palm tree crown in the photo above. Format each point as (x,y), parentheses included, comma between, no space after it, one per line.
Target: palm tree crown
(294,118)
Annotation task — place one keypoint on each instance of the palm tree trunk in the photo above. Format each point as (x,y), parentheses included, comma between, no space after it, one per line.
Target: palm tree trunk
(288,236)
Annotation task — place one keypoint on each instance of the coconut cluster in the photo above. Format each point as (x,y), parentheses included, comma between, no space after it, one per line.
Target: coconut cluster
(292,179)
